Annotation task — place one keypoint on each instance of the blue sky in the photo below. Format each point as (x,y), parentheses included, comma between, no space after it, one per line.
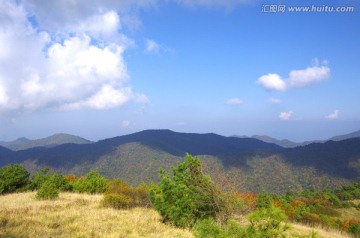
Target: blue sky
(116,67)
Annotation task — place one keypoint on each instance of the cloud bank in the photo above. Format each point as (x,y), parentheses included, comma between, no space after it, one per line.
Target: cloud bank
(297,78)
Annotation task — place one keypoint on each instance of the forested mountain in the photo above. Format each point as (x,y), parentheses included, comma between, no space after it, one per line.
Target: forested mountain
(355,134)
(290,144)
(54,140)
(243,164)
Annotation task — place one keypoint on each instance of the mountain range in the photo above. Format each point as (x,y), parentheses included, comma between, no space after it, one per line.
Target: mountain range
(290,144)
(54,140)
(241,164)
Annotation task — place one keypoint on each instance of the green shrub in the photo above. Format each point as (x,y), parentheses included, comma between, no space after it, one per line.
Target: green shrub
(92,183)
(117,201)
(267,222)
(264,200)
(209,228)
(48,191)
(188,195)
(39,178)
(13,177)
(354,229)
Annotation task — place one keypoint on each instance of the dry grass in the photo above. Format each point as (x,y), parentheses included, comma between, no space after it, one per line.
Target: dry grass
(351,212)
(300,229)
(77,215)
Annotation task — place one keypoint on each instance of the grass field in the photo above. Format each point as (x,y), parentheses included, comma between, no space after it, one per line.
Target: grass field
(77,215)
(80,215)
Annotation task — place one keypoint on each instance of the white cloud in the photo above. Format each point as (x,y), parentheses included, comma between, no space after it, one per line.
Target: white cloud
(272,82)
(333,116)
(302,78)
(285,116)
(274,101)
(297,78)
(125,123)
(81,66)
(106,97)
(99,25)
(151,46)
(234,101)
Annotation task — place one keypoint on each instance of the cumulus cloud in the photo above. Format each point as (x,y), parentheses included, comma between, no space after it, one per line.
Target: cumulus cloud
(297,78)
(333,116)
(285,116)
(302,78)
(81,66)
(234,101)
(272,82)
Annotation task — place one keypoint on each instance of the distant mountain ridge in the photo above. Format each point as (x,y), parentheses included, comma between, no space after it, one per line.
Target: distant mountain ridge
(244,164)
(23,143)
(290,144)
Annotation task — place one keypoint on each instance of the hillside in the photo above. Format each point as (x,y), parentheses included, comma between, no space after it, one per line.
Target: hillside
(54,140)
(242,164)
(79,215)
(355,134)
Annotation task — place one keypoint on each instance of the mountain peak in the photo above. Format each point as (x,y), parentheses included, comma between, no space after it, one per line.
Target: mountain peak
(23,143)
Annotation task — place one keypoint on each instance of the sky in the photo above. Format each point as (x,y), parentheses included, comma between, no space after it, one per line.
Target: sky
(100,69)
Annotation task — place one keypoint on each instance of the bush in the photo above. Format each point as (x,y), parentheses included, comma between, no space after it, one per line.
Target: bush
(92,183)
(39,178)
(187,196)
(354,229)
(117,201)
(209,228)
(48,191)
(267,222)
(139,196)
(13,177)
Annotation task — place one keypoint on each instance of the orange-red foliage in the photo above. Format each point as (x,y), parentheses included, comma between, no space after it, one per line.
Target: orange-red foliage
(70,177)
(250,199)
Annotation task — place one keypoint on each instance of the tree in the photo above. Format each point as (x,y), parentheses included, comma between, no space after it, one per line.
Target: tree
(13,178)
(188,195)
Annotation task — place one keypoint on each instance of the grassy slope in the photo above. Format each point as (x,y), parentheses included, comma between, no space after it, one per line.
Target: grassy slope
(79,215)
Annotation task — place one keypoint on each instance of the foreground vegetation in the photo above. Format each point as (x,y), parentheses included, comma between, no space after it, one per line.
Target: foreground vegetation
(187,199)
(81,215)
(78,215)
